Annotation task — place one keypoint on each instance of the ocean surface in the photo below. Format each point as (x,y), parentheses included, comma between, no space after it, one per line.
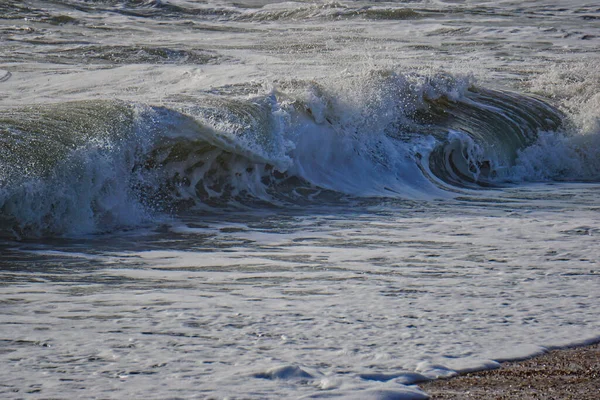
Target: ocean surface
(256,199)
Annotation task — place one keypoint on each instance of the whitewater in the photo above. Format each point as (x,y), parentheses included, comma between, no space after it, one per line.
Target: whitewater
(261,199)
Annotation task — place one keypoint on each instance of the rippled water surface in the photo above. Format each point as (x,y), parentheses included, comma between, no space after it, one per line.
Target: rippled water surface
(263,199)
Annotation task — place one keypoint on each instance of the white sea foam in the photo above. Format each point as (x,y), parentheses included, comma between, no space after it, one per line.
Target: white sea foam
(302,236)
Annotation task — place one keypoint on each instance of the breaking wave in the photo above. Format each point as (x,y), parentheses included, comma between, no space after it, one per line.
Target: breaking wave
(274,12)
(94,166)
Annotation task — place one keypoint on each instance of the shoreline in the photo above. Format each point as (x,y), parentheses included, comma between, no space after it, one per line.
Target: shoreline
(567,373)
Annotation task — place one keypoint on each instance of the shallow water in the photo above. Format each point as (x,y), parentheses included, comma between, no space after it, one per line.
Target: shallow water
(357,298)
(292,200)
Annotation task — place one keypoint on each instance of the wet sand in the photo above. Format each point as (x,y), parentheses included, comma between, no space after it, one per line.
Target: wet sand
(559,374)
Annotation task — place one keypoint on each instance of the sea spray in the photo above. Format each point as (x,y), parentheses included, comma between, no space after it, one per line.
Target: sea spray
(573,152)
(70,167)
(92,166)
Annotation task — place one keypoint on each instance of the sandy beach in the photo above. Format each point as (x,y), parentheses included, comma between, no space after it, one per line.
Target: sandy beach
(572,373)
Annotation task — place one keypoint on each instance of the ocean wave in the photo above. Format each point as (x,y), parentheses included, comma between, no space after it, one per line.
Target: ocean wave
(328,11)
(147,8)
(91,54)
(239,12)
(92,166)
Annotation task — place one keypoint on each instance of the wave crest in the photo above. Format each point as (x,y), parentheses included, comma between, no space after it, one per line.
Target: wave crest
(93,166)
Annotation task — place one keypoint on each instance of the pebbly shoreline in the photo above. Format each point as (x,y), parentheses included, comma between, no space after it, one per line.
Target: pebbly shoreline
(572,373)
